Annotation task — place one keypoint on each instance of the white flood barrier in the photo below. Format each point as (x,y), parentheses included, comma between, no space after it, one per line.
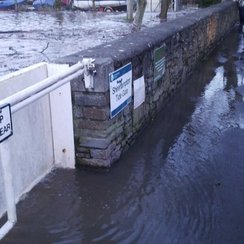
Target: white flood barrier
(42,135)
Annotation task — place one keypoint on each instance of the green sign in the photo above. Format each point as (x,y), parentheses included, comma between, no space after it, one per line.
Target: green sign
(159,62)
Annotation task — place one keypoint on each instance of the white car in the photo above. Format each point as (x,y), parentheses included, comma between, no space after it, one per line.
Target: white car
(101,5)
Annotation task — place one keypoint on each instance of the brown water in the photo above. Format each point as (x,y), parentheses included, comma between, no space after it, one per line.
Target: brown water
(182,181)
(31,37)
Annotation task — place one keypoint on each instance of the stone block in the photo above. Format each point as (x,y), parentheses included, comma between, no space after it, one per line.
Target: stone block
(115,133)
(104,66)
(138,115)
(100,143)
(82,149)
(94,162)
(115,155)
(103,154)
(77,85)
(77,112)
(83,155)
(127,129)
(93,133)
(148,64)
(96,113)
(92,124)
(90,99)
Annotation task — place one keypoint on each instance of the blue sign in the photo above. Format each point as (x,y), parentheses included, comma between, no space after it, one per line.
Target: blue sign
(120,89)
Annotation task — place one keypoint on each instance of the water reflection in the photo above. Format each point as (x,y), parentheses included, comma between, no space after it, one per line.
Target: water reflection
(24,35)
(182,182)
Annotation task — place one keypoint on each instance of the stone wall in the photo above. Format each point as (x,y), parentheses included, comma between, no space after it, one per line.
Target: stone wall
(100,140)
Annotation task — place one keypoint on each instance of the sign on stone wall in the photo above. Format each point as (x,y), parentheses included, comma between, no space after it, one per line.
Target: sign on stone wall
(120,89)
(5,123)
(159,62)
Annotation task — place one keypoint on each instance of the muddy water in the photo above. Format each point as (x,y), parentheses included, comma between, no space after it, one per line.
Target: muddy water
(182,182)
(31,37)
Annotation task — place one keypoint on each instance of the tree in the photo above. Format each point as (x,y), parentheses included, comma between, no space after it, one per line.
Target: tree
(93,5)
(57,4)
(130,10)
(16,8)
(164,9)
(140,10)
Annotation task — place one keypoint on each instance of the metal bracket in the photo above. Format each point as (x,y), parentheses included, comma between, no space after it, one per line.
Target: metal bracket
(89,72)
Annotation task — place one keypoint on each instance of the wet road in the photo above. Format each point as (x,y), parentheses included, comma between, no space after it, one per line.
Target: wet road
(182,182)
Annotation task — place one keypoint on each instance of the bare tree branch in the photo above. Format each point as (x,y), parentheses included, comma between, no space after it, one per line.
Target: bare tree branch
(45,48)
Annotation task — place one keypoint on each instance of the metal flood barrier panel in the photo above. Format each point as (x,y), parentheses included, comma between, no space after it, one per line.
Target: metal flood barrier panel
(41,135)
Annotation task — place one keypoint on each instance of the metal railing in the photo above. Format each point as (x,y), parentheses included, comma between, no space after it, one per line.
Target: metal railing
(18,101)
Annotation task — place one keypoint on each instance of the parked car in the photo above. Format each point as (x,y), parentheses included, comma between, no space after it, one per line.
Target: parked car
(42,4)
(102,5)
(9,4)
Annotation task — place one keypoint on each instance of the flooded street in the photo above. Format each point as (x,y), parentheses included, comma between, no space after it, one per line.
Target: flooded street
(182,182)
(31,37)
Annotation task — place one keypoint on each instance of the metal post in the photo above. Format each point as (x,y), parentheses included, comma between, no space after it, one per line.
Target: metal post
(9,190)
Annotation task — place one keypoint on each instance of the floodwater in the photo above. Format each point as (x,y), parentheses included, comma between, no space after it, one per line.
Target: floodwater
(182,182)
(31,37)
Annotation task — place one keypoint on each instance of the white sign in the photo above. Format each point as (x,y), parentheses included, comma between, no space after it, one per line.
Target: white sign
(5,123)
(139,92)
(120,89)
